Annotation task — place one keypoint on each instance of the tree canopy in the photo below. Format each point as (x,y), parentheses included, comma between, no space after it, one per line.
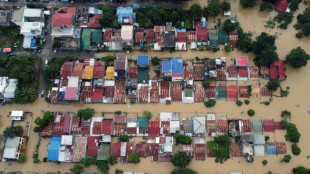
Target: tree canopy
(88,161)
(225,6)
(77,169)
(13,131)
(222,140)
(133,157)
(196,12)
(112,159)
(181,170)
(263,42)
(86,113)
(124,138)
(182,139)
(102,166)
(267,57)
(247,3)
(292,133)
(181,159)
(210,103)
(244,41)
(108,18)
(229,26)
(301,170)
(273,84)
(297,57)
(48,115)
(214,8)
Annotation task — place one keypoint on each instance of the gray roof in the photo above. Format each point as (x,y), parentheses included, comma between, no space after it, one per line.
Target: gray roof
(257,126)
(6,17)
(199,124)
(259,139)
(11,148)
(247,139)
(170,39)
(259,150)
(9,91)
(200,141)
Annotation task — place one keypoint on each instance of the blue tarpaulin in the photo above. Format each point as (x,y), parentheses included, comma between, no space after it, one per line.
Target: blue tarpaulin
(53,149)
(177,65)
(166,66)
(271,149)
(141,44)
(33,43)
(136,6)
(143,60)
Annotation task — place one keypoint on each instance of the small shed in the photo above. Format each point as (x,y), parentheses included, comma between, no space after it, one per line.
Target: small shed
(271,148)
(17,115)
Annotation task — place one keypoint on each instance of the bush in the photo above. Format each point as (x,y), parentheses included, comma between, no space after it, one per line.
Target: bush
(13,131)
(182,139)
(36,160)
(157,73)
(266,6)
(118,171)
(299,35)
(247,3)
(267,138)
(239,102)
(264,162)
(22,159)
(205,84)
(228,48)
(180,159)
(36,129)
(88,161)
(45,159)
(222,140)
(251,112)
(181,170)
(286,115)
(48,115)
(118,112)
(148,114)
(273,84)
(300,170)
(77,169)
(295,149)
(237,139)
(247,102)
(124,138)
(112,159)
(225,6)
(286,158)
(155,60)
(102,166)
(210,103)
(133,157)
(86,114)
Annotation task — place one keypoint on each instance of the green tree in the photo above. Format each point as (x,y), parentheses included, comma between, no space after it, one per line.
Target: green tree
(36,129)
(247,3)
(88,161)
(228,48)
(118,112)
(222,140)
(86,114)
(77,169)
(26,95)
(300,170)
(214,8)
(124,138)
(263,42)
(133,157)
(286,158)
(286,115)
(266,6)
(181,170)
(294,4)
(264,162)
(22,159)
(210,103)
(205,84)
(108,18)
(295,149)
(13,131)
(155,60)
(195,12)
(247,102)
(48,115)
(244,41)
(112,159)
(225,6)
(148,114)
(180,159)
(297,57)
(267,57)
(40,122)
(182,139)
(102,166)
(239,102)
(229,26)
(273,84)
(118,171)
(251,112)
(292,133)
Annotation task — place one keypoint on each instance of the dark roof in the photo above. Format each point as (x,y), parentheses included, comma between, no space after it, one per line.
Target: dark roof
(133,72)
(120,62)
(247,139)
(6,17)
(107,35)
(170,39)
(202,34)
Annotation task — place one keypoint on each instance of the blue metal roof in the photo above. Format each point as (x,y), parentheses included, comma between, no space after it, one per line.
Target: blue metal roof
(124,11)
(136,6)
(53,149)
(271,150)
(143,60)
(177,65)
(166,66)
(180,30)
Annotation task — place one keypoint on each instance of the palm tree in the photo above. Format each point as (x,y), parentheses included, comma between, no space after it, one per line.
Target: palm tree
(26,95)
(112,159)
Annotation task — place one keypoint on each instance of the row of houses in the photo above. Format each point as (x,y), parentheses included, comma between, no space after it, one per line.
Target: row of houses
(7,88)
(72,141)
(91,81)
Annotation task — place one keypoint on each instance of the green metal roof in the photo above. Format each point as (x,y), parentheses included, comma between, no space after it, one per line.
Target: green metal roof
(188,92)
(213,39)
(85,42)
(96,35)
(104,152)
(257,126)
(143,75)
(220,93)
(142,122)
(223,37)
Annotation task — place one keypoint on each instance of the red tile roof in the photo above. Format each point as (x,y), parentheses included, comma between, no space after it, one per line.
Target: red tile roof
(253,71)
(243,72)
(66,124)
(109,92)
(196,24)
(181,36)
(198,71)
(281,148)
(235,149)
(202,34)
(160,38)
(143,94)
(131,130)
(277,70)
(164,89)
(94,21)
(99,71)
(154,129)
(243,92)
(268,125)
(106,127)
(97,94)
(78,69)
(232,39)
(242,61)
(63,16)
(281,5)
(119,129)
(154,92)
(47,130)
(116,149)
(232,93)
(85,95)
(92,146)
(70,93)
(149,35)
(220,73)
(191,37)
(165,126)
(232,71)
(66,70)
(199,93)
(133,72)
(120,92)
(176,91)
(210,92)
(85,128)
(246,126)
(266,92)
(119,119)
(222,126)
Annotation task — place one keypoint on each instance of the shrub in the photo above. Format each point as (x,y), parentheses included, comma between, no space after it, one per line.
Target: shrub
(13,131)
(273,84)
(181,170)
(88,161)
(237,139)
(239,102)
(286,158)
(36,129)
(210,103)
(295,149)
(118,112)
(205,84)
(181,159)
(182,139)
(133,157)
(124,138)
(300,170)
(228,48)
(267,138)
(118,171)
(77,169)
(266,6)
(251,112)
(264,162)
(297,57)
(292,134)
(112,159)
(286,115)
(247,3)
(155,60)
(36,160)
(148,114)
(299,34)
(157,73)
(22,159)
(102,166)
(247,102)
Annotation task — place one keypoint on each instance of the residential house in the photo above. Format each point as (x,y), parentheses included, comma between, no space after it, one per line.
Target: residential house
(277,70)
(119,125)
(188,95)
(165,148)
(66,70)
(192,39)
(6,17)
(143,69)
(64,30)
(149,36)
(259,145)
(234,127)
(125,15)
(202,36)
(112,39)
(154,128)
(79,150)
(91,19)
(186,127)
(3,85)
(243,67)
(32,26)
(127,36)
(110,73)
(282,6)
(106,127)
(131,126)
(164,92)
(169,36)
(199,126)
(159,32)
(211,124)
(91,38)
(181,40)
(108,87)
(213,38)
(166,69)
(188,149)
(232,39)
(9,91)
(96,126)
(53,149)
(142,126)
(88,73)
(17,115)
(246,142)
(169,123)
(139,36)
(78,70)
(142,95)
(12,148)
(92,146)
(65,150)
(104,151)
(153,91)
(121,67)
(200,148)
(223,37)
(66,124)
(177,68)
(73,89)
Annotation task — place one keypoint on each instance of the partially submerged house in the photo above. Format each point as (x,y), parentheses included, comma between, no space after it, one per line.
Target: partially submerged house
(127,36)
(121,67)
(282,6)
(202,36)
(9,90)
(247,146)
(125,15)
(277,70)
(259,145)
(199,126)
(169,36)
(166,69)
(242,67)
(159,32)
(177,68)
(180,44)
(12,148)
(72,91)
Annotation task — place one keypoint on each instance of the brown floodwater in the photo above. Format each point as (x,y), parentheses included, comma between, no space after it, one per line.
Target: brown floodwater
(297,102)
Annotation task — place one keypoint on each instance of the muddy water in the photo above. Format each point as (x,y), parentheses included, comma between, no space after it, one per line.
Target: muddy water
(297,102)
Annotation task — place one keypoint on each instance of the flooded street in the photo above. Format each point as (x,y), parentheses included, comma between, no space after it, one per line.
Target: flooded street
(298,103)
